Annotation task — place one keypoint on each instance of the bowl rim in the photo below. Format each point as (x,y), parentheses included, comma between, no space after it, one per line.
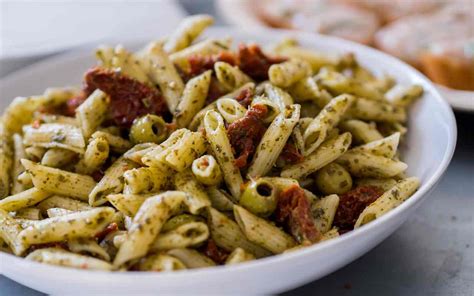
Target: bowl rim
(413,201)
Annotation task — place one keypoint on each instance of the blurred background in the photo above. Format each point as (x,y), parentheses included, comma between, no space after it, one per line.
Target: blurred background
(432,253)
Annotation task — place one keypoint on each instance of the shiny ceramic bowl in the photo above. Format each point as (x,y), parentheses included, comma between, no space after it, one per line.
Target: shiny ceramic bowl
(428,150)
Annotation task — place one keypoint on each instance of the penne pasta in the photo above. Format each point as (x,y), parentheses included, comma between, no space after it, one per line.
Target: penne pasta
(222,150)
(197,198)
(262,233)
(230,77)
(185,236)
(146,225)
(191,258)
(193,98)
(187,31)
(388,201)
(92,112)
(62,202)
(227,234)
(58,157)
(273,141)
(239,255)
(59,181)
(325,154)
(318,129)
(54,135)
(17,167)
(230,109)
(287,73)
(112,182)
(206,170)
(362,132)
(160,263)
(116,143)
(61,257)
(23,199)
(364,164)
(9,231)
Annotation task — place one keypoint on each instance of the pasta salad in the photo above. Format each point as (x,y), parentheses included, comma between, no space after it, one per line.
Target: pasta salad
(191,153)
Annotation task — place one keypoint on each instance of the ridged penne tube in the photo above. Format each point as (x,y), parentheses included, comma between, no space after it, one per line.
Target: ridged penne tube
(116,143)
(92,112)
(75,225)
(58,157)
(273,141)
(154,157)
(56,256)
(298,132)
(60,119)
(24,179)
(203,48)
(230,77)
(385,183)
(323,211)
(197,198)
(364,164)
(23,199)
(196,122)
(160,263)
(6,162)
(187,31)
(146,179)
(179,220)
(54,135)
(207,170)
(104,54)
(386,147)
(59,181)
(193,98)
(230,109)
(329,117)
(28,213)
(9,231)
(307,90)
(325,154)
(316,59)
(164,74)
(112,181)
(404,96)
(191,258)
(17,167)
(35,153)
(89,246)
(239,255)
(365,109)
(388,201)
(340,84)
(128,64)
(20,112)
(220,199)
(55,212)
(287,73)
(332,233)
(227,234)
(147,223)
(57,201)
(128,204)
(272,108)
(185,151)
(362,132)
(138,151)
(55,96)
(222,150)
(279,96)
(96,154)
(185,236)
(262,232)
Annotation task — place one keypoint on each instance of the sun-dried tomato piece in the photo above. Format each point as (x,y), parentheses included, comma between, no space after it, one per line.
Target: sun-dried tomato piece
(294,210)
(245,97)
(352,203)
(253,62)
(245,134)
(129,98)
(107,230)
(199,64)
(212,251)
(290,154)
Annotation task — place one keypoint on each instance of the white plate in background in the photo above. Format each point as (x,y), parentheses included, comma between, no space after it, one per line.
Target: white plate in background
(428,149)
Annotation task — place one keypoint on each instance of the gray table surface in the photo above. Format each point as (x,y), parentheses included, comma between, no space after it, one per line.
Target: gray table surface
(431,254)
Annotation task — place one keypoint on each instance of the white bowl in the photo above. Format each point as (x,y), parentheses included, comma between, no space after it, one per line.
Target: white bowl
(428,151)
